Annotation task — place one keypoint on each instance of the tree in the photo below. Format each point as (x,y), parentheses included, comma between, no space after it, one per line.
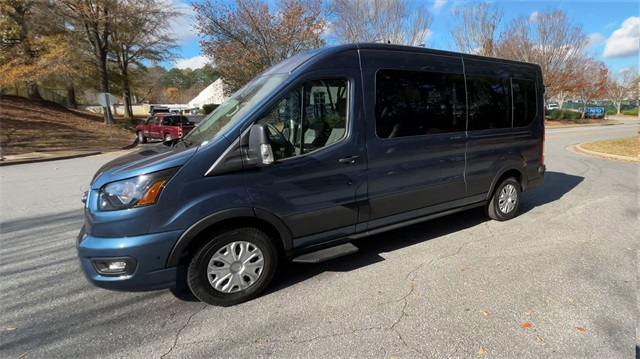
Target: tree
(174,94)
(21,43)
(203,77)
(246,37)
(140,36)
(95,20)
(474,29)
(550,40)
(591,81)
(623,85)
(387,21)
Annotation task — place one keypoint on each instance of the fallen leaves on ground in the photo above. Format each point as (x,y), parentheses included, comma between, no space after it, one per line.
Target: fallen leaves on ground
(482,351)
(581,329)
(526,325)
(485,313)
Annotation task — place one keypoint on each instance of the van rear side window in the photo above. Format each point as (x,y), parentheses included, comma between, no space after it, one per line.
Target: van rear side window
(489,102)
(524,102)
(417,103)
(500,103)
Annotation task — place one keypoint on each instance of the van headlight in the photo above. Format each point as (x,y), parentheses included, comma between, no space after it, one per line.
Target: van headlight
(133,192)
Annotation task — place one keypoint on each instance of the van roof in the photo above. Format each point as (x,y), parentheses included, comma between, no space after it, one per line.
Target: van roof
(293,63)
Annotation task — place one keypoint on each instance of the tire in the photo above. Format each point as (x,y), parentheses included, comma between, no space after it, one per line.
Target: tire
(141,138)
(167,137)
(245,260)
(505,201)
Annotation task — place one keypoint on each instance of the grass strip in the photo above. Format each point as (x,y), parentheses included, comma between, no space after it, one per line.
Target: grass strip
(628,146)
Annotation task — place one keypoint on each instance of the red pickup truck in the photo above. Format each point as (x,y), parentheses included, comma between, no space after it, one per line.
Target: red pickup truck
(164,126)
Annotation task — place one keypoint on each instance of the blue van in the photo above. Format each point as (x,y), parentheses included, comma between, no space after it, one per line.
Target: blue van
(323,148)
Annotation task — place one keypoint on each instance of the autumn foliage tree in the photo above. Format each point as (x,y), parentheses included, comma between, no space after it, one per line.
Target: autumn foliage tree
(140,35)
(23,41)
(550,40)
(387,21)
(591,81)
(547,38)
(245,37)
(94,19)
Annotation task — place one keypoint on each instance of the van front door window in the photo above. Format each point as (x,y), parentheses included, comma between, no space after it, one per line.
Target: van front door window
(308,118)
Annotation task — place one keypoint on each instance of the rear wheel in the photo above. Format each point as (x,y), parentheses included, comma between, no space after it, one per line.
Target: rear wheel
(141,138)
(233,267)
(505,200)
(167,137)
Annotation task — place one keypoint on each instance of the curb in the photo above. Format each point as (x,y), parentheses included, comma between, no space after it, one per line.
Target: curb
(621,122)
(44,157)
(583,151)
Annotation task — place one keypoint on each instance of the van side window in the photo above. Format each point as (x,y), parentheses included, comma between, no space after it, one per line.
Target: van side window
(310,117)
(489,99)
(524,102)
(416,103)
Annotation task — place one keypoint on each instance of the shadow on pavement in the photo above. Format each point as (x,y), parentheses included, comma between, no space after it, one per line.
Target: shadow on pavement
(555,186)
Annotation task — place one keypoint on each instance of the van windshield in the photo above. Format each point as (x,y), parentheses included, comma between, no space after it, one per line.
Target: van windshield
(234,109)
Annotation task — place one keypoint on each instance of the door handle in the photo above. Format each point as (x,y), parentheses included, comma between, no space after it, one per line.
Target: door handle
(349,160)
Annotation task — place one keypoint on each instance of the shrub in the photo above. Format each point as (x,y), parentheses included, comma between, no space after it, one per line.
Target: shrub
(564,114)
(208,108)
(611,112)
(555,114)
(633,112)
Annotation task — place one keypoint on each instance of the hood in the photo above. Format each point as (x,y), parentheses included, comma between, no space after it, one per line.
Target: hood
(147,160)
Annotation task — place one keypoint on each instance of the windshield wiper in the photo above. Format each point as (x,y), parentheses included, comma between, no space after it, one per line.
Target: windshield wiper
(186,144)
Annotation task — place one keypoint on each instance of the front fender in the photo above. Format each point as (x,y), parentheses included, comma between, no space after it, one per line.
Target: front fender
(245,212)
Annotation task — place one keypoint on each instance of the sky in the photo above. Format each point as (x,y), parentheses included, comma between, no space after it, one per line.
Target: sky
(613,28)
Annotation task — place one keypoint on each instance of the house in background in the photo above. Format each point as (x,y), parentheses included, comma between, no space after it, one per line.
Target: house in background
(213,94)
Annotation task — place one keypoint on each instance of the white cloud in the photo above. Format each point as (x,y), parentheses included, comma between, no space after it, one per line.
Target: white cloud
(182,26)
(534,16)
(624,42)
(595,40)
(192,63)
(437,5)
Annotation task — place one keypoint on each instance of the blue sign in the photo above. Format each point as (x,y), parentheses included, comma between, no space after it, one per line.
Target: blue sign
(594,112)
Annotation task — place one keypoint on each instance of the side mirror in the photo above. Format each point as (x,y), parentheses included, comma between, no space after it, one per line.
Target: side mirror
(260,152)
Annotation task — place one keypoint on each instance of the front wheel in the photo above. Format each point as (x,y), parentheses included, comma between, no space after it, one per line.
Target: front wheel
(505,200)
(141,138)
(233,267)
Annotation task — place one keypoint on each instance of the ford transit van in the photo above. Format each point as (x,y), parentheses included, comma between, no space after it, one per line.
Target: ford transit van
(323,148)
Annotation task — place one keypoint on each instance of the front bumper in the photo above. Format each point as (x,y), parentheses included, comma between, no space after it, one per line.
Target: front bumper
(150,253)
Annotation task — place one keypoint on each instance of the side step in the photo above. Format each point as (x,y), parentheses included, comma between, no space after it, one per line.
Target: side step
(326,254)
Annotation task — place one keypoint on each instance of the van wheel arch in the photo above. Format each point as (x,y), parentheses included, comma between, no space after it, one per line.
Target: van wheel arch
(197,235)
(513,172)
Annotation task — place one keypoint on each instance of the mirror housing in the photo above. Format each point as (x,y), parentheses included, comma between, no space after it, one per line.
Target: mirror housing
(260,151)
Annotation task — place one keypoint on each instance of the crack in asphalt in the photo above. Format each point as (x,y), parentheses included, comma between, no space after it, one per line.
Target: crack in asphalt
(412,283)
(411,275)
(175,340)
